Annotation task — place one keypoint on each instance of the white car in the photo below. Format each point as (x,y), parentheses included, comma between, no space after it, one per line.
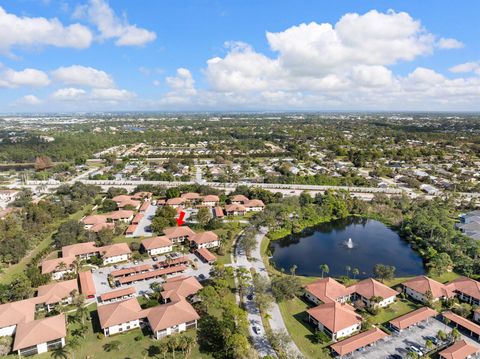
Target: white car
(258,329)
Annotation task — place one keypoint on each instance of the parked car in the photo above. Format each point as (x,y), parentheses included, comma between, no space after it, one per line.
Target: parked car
(250,296)
(257,329)
(154,259)
(417,350)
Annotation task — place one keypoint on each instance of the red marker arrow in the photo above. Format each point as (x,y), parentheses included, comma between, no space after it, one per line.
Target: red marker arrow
(180,218)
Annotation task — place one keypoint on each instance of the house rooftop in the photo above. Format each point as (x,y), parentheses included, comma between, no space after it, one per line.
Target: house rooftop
(204,237)
(459,350)
(79,249)
(56,292)
(412,318)
(15,312)
(180,286)
(335,316)
(156,242)
(39,331)
(370,287)
(174,232)
(119,312)
(52,265)
(423,284)
(327,289)
(170,314)
(358,341)
(116,249)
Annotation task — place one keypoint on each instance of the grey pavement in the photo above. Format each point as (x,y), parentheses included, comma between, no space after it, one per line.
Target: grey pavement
(396,345)
(145,222)
(260,341)
(100,275)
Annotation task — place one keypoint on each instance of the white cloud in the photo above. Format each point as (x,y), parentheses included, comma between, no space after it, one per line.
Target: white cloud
(111,94)
(182,87)
(68,94)
(449,44)
(30,100)
(39,31)
(466,67)
(77,75)
(27,77)
(371,39)
(111,26)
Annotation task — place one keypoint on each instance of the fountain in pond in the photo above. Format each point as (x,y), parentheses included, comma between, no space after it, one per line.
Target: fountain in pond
(349,243)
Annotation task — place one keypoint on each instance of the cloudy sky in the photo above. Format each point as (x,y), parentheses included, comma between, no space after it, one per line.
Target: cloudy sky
(93,55)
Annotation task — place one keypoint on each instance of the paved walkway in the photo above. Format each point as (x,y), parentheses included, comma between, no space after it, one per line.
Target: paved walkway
(276,319)
(260,341)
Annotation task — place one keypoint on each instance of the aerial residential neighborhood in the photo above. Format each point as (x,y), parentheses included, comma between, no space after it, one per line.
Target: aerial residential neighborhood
(239,179)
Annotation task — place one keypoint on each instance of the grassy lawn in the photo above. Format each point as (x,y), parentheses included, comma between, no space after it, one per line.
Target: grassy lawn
(10,273)
(400,307)
(144,347)
(295,317)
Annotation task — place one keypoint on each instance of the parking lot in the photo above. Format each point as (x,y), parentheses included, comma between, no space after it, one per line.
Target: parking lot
(100,276)
(143,228)
(396,345)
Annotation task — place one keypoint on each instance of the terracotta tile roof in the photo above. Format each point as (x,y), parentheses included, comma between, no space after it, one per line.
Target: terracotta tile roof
(56,292)
(327,290)
(206,254)
(175,201)
(211,198)
(120,214)
(422,284)
(87,286)
(466,285)
(467,324)
(190,195)
(79,249)
(15,312)
(117,293)
(459,350)
(95,219)
(119,312)
(151,274)
(144,206)
(156,242)
(254,203)
(39,331)
(204,237)
(412,318)
(131,229)
(99,226)
(167,315)
(141,195)
(358,341)
(335,316)
(218,212)
(130,270)
(175,232)
(235,208)
(173,261)
(113,250)
(138,217)
(239,198)
(52,265)
(180,287)
(125,200)
(369,288)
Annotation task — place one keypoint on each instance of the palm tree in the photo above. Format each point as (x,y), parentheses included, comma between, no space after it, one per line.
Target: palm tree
(429,344)
(81,314)
(348,269)
(113,346)
(446,321)
(355,272)
(73,343)
(172,344)
(60,353)
(412,355)
(163,349)
(324,268)
(455,334)
(190,343)
(293,269)
(182,343)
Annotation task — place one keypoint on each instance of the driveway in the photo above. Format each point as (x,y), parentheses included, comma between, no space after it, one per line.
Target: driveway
(100,276)
(145,222)
(396,345)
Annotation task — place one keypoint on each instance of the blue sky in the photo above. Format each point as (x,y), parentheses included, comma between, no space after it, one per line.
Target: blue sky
(216,55)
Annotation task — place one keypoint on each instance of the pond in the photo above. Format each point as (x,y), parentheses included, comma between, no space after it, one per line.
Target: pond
(355,242)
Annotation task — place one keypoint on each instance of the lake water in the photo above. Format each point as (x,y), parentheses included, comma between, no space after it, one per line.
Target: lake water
(373,243)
